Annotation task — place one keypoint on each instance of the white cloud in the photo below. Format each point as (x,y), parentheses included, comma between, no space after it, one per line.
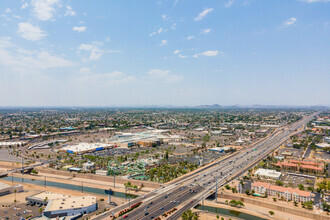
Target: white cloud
(203,14)
(164,17)
(8,10)
(115,77)
(182,56)
(190,37)
(229,3)
(173,27)
(209,53)
(163,43)
(176,2)
(160,30)
(44,9)
(93,50)
(25,5)
(206,31)
(164,75)
(69,11)
(176,51)
(289,22)
(152,34)
(85,70)
(19,58)
(79,29)
(30,32)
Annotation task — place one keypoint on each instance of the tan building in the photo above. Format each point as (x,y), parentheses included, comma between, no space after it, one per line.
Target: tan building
(281,192)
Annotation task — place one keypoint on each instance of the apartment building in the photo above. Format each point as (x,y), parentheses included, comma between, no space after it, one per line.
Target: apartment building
(281,192)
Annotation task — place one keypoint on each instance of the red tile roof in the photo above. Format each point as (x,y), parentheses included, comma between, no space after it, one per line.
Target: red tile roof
(282,189)
(311,167)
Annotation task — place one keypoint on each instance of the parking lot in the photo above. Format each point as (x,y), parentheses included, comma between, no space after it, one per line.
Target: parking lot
(297,179)
(296,153)
(112,152)
(21,211)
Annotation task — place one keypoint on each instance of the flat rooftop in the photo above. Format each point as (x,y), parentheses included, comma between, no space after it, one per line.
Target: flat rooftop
(49,196)
(70,203)
(4,186)
(81,147)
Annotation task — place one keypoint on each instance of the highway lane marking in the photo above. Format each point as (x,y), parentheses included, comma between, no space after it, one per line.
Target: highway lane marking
(153,210)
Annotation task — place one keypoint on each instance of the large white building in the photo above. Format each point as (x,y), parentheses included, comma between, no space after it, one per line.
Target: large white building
(59,205)
(70,206)
(85,147)
(268,174)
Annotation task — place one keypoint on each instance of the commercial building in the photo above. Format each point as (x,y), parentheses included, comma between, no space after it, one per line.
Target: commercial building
(299,165)
(268,174)
(322,145)
(70,206)
(12,143)
(88,166)
(7,189)
(85,147)
(44,197)
(59,205)
(147,138)
(297,195)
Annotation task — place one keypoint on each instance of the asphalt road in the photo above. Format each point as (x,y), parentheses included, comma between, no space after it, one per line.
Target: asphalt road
(206,181)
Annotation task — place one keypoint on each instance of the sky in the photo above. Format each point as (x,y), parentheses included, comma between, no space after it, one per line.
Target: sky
(165,52)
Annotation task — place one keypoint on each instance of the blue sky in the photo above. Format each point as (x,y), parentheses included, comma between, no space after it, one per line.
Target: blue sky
(166,52)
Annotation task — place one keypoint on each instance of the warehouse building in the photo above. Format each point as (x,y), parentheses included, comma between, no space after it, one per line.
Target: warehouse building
(85,147)
(59,205)
(70,206)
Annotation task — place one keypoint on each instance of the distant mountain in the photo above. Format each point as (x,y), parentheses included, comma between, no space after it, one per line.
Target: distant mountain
(209,106)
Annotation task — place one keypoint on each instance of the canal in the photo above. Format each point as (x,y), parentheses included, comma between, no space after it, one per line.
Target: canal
(67,186)
(229,212)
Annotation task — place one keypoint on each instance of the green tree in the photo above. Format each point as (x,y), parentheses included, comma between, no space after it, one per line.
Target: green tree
(271,212)
(189,215)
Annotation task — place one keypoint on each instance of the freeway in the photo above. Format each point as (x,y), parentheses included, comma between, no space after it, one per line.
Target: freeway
(188,192)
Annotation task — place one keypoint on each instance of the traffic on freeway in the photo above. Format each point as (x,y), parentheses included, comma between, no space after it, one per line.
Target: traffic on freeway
(191,190)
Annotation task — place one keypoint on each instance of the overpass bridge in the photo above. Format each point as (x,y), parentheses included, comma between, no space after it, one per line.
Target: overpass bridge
(190,191)
(24,169)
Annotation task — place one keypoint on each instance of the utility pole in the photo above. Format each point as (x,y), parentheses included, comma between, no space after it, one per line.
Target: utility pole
(216,188)
(82,187)
(45,182)
(125,193)
(114,177)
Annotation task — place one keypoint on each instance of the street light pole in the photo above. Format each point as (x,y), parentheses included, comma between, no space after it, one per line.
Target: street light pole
(129,198)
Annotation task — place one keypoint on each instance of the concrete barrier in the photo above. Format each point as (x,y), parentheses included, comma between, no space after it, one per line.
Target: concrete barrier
(273,207)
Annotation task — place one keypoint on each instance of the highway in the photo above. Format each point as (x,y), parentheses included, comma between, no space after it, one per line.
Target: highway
(190,191)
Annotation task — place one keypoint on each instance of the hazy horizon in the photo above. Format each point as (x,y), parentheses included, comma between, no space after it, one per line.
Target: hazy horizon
(164,53)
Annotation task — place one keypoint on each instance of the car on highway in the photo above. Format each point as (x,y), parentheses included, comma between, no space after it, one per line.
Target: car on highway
(147,213)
